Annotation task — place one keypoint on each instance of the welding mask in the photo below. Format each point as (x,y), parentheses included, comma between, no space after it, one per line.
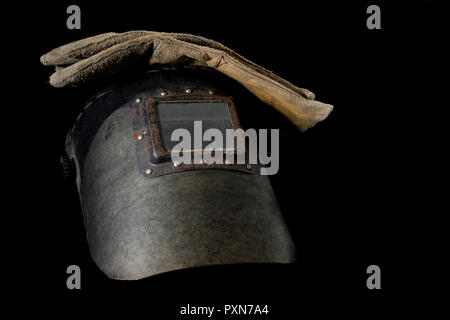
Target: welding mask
(145,214)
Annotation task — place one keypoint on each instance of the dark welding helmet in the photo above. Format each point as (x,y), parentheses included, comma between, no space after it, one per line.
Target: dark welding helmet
(145,214)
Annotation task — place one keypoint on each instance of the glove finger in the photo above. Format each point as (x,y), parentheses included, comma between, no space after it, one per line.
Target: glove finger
(120,56)
(106,62)
(78,50)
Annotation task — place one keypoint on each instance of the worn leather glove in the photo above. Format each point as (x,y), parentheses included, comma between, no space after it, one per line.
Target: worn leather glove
(110,53)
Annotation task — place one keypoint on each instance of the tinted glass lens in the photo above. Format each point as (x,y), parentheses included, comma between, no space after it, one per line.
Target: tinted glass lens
(174,115)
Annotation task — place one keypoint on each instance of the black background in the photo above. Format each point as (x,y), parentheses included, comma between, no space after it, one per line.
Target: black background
(348,188)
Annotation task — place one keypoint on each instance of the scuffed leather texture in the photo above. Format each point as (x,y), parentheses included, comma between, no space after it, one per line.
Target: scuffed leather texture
(110,53)
(138,227)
